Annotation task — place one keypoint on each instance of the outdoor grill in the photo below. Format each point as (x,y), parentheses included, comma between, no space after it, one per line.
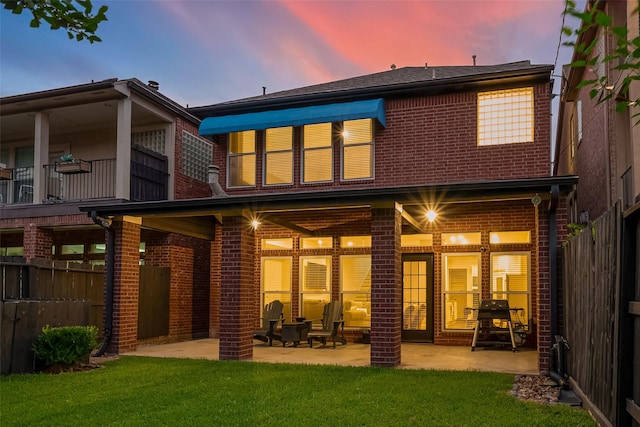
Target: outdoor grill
(493,325)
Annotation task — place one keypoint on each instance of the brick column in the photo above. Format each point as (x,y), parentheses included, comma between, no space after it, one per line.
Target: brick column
(181,261)
(37,242)
(214,283)
(236,290)
(386,286)
(126,286)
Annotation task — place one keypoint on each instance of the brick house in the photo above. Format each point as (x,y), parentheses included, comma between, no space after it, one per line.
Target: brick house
(410,195)
(103,142)
(595,140)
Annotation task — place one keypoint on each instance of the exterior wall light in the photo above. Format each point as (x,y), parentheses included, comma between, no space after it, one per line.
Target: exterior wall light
(255,224)
(431,215)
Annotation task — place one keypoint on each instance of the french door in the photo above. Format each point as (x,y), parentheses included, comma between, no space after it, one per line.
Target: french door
(417,303)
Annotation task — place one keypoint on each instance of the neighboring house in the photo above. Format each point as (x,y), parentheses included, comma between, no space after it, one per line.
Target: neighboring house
(598,139)
(594,141)
(410,195)
(103,142)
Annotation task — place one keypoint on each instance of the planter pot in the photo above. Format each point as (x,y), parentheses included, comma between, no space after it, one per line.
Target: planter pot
(76,166)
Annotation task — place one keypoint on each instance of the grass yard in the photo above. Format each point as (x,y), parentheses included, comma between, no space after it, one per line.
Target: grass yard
(140,391)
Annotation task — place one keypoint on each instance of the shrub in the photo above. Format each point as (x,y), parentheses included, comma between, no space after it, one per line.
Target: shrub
(65,345)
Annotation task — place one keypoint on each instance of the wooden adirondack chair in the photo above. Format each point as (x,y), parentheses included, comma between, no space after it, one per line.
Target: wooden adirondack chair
(271,316)
(331,324)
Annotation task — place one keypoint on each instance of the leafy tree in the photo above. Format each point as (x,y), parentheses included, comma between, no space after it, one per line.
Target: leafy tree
(625,56)
(74,16)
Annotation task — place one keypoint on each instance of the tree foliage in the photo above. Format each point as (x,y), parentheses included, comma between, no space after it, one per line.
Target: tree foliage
(76,17)
(624,57)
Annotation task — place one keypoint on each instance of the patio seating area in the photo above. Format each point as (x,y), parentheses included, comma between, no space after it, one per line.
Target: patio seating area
(414,355)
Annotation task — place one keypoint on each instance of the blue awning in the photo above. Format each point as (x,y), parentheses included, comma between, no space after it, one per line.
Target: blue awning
(370,109)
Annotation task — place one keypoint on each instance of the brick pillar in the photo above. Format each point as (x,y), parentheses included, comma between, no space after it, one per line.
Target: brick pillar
(126,286)
(37,242)
(214,283)
(543,289)
(386,286)
(181,261)
(236,290)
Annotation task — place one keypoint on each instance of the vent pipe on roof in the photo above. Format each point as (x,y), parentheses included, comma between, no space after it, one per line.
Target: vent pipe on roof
(154,84)
(264,90)
(214,183)
(426,65)
(474,60)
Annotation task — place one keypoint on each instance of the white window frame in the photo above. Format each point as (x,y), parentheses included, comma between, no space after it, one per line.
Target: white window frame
(492,292)
(265,155)
(371,144)
(472,294)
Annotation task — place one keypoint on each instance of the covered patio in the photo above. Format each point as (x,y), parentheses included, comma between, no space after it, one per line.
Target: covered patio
(414,355)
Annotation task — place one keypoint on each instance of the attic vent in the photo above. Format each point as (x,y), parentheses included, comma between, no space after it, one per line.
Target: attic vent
(393,66)
(154,84)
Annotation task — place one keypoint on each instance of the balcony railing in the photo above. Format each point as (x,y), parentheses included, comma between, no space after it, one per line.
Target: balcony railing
(16,186)
(95,179)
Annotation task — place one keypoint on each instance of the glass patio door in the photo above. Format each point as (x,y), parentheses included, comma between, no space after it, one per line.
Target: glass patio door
(417,304)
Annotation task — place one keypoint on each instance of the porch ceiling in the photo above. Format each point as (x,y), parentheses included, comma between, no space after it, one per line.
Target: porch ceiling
(196,217)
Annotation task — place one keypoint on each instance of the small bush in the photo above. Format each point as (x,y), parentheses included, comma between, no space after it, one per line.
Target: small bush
(65,345)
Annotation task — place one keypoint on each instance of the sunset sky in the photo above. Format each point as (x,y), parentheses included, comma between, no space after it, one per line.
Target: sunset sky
(205,52)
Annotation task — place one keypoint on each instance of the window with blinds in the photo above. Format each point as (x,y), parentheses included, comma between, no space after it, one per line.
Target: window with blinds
(275,279)
(278,156)
(461,289)
(242,159)
(355,287)
(357,149)
(317,153)
(510,280)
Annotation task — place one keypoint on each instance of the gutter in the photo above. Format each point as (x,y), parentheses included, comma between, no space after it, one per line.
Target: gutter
(480,191)
(110,266)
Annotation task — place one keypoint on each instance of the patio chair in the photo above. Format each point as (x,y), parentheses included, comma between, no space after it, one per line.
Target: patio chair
(271,316)
(332,322)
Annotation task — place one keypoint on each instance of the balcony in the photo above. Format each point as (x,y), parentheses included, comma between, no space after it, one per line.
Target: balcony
(72,181)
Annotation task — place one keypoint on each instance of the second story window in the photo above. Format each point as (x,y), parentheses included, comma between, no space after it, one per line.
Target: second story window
(357,149)
(278,157)
(317,153)
(242,159)
(505,116)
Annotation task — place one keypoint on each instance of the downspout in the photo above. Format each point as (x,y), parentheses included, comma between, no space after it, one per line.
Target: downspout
(110,265)
(553,260)
(557,342)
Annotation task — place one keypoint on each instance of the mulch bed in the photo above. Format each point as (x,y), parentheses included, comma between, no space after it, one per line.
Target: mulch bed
(536,388)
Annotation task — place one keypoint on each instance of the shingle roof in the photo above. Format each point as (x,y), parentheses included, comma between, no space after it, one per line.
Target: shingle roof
(391,80)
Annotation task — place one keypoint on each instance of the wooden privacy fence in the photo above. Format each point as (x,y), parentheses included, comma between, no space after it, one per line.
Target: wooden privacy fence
(54,280)
(23,320)
(602,315)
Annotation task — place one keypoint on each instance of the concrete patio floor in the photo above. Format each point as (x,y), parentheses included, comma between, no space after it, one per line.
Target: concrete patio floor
(414,355)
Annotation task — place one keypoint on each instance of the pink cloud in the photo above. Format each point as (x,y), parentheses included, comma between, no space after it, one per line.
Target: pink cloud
(375,34)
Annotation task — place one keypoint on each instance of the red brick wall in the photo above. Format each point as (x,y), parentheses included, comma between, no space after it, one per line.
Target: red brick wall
(469,217)
(427,140)
(126,287)
(386,287)
(37,236)
(189,292)
(237,290)
(215,277)
(186,187)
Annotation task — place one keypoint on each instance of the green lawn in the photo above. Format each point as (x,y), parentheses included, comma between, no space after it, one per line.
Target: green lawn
(134,391)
